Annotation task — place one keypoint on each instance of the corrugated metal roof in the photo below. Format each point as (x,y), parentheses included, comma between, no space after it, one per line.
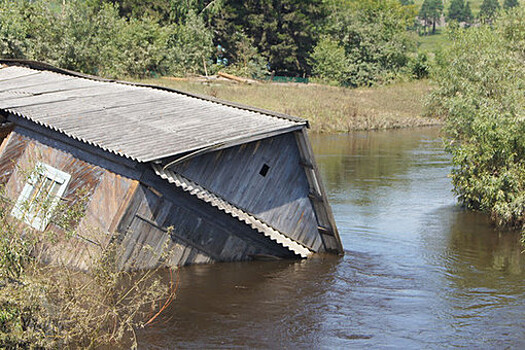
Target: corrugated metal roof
(221,204)
(140,122)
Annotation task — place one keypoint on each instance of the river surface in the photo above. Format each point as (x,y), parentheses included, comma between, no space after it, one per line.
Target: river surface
(418,271)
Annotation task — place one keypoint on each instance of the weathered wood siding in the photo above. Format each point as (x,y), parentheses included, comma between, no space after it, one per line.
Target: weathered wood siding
(183,230)
(102,191)
(280,198)
(325,218)
(13,146)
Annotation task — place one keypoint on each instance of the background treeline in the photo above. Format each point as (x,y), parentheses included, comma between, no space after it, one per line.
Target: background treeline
(346,42)
(351,42)
(103,38)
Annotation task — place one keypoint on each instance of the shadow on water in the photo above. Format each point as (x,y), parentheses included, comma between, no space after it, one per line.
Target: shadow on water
(419,272)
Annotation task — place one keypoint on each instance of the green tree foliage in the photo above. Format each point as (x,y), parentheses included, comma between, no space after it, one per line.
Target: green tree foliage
(167,11)
(284,31)
(248,62)
(92,37)
(141,38)
(430,13)
(459,11)
(155,9)
(482,95)
(467,14)
(374,38)
(507,4)
(488,10)
(420,66)
(330,62)
(190,45)
(15,19)
(455,10)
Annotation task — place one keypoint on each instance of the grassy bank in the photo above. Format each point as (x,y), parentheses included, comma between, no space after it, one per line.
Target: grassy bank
(432,43)
(329,109)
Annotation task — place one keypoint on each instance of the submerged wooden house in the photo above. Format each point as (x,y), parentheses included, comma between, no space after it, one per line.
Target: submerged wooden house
(209,180)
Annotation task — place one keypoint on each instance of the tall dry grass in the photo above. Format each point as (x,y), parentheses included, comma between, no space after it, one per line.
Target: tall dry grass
(329,109)
(58,307)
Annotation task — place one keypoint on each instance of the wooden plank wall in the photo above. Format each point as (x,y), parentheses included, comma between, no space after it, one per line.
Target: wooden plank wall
(13,146)
(183,230)
(103,192)
(280,198)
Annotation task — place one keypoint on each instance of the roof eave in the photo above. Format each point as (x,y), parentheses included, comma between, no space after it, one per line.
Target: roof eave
(46,66)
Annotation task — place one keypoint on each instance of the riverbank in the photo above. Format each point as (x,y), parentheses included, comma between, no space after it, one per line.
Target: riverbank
(329,109)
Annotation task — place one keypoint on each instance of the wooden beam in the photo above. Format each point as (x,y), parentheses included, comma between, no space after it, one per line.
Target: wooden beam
(235,78)
(177,237)
(315,197)
(5,129)
(306,164)
(325,230)
(3,142)
(324,215)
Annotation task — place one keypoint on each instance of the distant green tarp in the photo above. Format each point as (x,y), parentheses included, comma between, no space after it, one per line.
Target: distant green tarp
(281,79)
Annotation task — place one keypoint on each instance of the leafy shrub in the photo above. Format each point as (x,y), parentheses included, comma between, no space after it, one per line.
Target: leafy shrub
(247,60)
(420,66)
(57,307)
(329,61)
(482,95)
(13,28)
(189,46)
(374,38)
(91,37)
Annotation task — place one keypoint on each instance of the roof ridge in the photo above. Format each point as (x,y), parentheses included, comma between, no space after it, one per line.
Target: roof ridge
(214,200)
(46,66)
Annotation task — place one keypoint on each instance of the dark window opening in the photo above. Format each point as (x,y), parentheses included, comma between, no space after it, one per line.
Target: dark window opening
(264,170)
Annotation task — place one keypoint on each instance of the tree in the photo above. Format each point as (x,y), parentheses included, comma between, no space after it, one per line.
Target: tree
(430,12)
(189,45)
(459,11)
(329,61)
(507,4)
(467,14)
(482,95)
(284,31)
(488,10)
(373,36)
(456,11)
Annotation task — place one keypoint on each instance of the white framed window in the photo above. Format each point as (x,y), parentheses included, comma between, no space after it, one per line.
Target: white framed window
(40,196)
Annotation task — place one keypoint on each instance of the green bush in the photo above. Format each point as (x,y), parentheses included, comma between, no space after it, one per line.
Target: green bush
(56,307)
(329,62)
(91,37)
(247,62)
(374,37)
(420,66)
(481,79)
(15,16)
(190,44)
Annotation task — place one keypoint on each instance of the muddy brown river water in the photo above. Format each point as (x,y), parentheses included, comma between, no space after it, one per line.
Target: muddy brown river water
(418,271)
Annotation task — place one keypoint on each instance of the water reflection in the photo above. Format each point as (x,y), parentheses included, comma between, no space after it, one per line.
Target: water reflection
(419,272)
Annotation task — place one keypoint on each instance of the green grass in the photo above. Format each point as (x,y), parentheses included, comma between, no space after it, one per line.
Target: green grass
(439,40)
(328,108)
(433,42)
